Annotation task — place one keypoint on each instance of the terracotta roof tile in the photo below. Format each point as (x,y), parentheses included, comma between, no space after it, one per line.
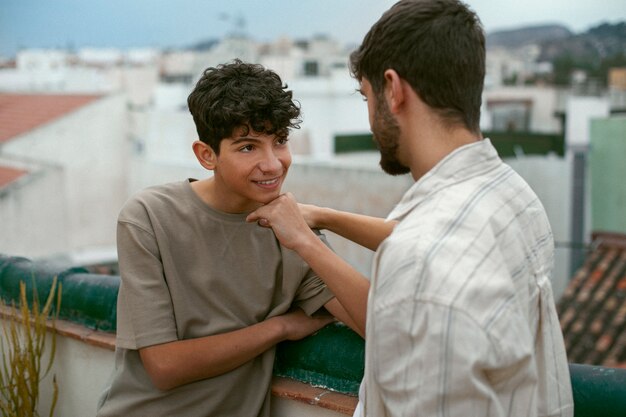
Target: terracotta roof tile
(20,113)
(8,175)
(592,310)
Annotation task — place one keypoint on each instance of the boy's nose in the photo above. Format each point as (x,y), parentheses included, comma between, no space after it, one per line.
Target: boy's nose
(270,162)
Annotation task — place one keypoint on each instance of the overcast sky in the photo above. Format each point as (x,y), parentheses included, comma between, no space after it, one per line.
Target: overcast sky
(175,23)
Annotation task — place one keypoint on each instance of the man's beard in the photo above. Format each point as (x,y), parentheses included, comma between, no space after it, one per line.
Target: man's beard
(386,134)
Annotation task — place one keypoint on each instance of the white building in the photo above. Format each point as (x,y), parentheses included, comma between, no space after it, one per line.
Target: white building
(331,106)
(77,167)
(526,108)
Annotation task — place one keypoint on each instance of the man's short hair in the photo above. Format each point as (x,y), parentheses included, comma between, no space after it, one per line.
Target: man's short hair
(438,47)
(241,95)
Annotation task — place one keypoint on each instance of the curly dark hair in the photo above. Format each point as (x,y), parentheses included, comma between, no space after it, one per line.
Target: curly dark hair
(245,95)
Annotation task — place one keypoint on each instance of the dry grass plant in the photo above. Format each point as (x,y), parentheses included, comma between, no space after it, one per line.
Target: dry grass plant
(22,346)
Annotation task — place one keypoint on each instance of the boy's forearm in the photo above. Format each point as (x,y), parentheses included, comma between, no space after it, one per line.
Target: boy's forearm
(181,362)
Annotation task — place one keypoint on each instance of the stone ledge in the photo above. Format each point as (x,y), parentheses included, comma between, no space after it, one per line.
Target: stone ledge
(298,391)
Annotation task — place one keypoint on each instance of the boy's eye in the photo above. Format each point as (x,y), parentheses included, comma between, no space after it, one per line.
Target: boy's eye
(282,141)
(246,148)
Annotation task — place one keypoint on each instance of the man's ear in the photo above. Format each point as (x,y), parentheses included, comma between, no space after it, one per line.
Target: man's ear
(394,90)
(205,155)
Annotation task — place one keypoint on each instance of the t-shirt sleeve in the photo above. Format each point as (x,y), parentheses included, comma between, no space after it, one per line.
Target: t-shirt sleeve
(144,308)
(313,293)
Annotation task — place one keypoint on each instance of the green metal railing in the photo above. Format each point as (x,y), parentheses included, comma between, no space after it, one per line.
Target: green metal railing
(598,391)
(508,144)
(88,299)
(332,358)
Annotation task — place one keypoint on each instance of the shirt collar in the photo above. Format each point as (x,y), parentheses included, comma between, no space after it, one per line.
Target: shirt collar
(459,165)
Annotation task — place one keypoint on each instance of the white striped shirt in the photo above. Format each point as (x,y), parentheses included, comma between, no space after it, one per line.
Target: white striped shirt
(461,318)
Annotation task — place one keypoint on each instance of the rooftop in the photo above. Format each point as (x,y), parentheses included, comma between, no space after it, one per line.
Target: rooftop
(592,310)
(20,113)
(8,174)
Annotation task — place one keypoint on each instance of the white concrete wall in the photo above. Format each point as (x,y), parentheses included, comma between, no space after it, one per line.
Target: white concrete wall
(82,372)
(551,179)
(545,101)
(287,66)
(172,96)
(177,62)
(169,136)
(330,106)
(70,79)
(34,218)
(91,148)
(162,152)
(146,173)
(580,111)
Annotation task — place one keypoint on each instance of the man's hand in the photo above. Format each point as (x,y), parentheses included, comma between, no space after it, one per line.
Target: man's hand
(311,215)
(284,217)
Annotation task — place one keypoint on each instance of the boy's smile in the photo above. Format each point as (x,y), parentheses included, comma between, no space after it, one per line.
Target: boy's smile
(248,172)
(269,184)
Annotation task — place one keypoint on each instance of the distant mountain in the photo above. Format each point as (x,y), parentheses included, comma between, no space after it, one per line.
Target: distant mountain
(594,51)
(600,42)
(515,38)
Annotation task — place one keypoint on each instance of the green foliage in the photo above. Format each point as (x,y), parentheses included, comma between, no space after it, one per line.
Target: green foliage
(511,79)
(22,345)
(614,61)
(562,67)
(594,52)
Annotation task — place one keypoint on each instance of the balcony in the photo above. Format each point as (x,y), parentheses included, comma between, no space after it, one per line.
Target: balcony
(317,376)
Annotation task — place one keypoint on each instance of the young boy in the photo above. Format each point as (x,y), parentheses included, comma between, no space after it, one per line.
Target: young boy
(204,295)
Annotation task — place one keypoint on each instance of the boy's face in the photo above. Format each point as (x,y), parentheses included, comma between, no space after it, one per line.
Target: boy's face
(250,169)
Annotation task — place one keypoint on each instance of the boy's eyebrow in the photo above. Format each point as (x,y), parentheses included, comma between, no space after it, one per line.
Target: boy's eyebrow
(245,139)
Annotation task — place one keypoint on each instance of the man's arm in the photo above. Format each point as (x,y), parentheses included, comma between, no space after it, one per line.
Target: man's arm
(364,230)
(172,364)
(335,308)
(349,286)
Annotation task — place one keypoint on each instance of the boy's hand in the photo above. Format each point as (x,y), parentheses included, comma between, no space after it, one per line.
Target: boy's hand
(284,217)
(297,325)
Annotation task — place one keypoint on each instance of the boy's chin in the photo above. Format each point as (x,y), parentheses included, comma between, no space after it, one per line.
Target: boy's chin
(269,198)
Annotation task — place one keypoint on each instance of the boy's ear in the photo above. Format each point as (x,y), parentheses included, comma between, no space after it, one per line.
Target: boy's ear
(205,155)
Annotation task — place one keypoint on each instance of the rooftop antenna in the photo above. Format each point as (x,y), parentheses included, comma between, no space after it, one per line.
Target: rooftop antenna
(239,24)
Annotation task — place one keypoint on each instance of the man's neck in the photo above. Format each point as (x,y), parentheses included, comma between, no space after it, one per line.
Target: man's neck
(427,139)
(431,148)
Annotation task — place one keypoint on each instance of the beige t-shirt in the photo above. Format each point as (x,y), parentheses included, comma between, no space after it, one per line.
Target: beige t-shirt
(189,271)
